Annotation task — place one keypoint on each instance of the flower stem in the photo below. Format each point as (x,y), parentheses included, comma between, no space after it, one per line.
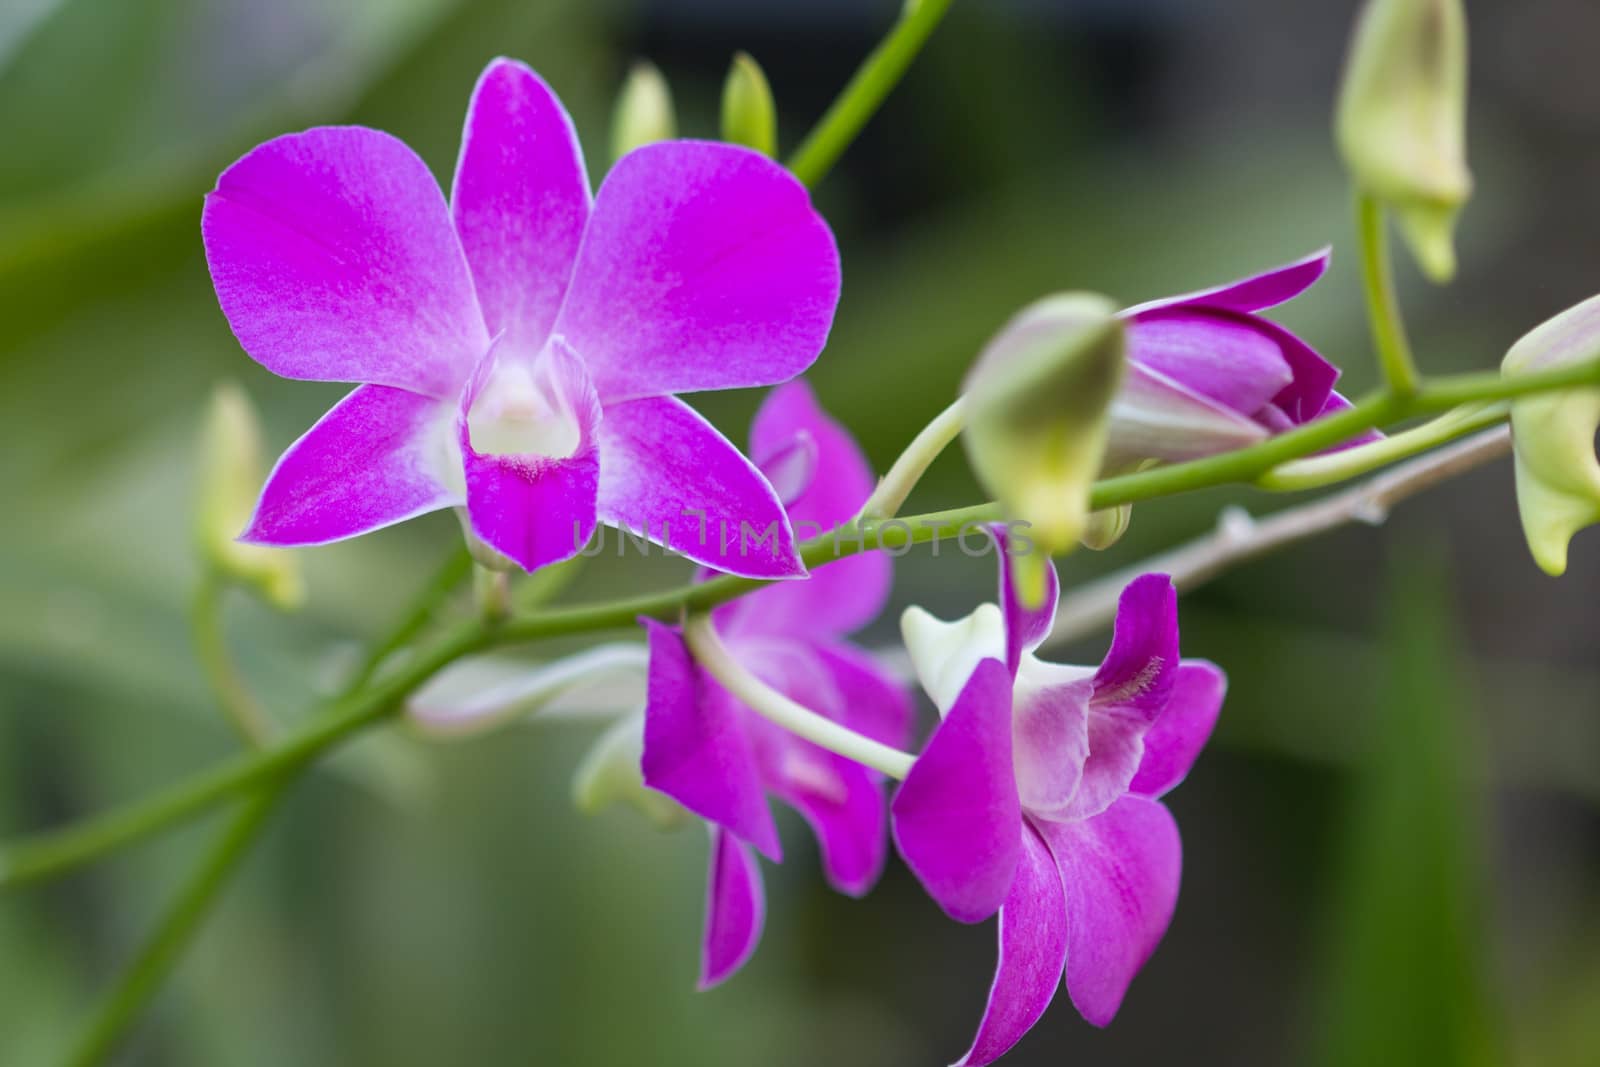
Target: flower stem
(907,471)
(450,574)
(1383,307)
(210,642)
(799,720)
(1341,466)
(161,953)
(861,98)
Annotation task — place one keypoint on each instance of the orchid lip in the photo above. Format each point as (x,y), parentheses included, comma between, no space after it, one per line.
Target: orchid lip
(521,409)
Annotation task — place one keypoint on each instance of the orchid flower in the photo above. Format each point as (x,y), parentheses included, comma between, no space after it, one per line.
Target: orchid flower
(1037,795)
(1207,374)
(719,758)
(518,347)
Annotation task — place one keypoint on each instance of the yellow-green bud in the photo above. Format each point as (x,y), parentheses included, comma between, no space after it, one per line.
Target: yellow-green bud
(1402,120)
(1106,527)
(749,117)
(230,478)
(610,773)
(644,112)
(1038,401)
(1558,473)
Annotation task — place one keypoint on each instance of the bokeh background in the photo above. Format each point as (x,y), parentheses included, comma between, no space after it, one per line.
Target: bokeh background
(1393,845)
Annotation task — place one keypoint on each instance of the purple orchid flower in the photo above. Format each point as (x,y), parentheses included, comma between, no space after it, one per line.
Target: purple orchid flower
(1037,796)
(1207,374)
(720,759)
(519,346)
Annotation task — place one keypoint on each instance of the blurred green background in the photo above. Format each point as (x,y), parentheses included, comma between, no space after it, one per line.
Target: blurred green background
(1393,846)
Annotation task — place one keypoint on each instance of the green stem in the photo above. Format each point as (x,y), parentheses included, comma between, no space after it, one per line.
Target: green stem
(210,642)
(860,99)
(450,574)
(893,488)
(155,961)
(1342,466)
(1383,307)
(54,852)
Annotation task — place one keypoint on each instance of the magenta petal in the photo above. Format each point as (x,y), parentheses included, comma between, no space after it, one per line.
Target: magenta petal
(1220,355)
(520,201)
(1051,738)
(695,746)
(1026,628)
(842,596)
(1120,871)
(666,473)
(1307,395)
(1138,670)
(1033,953)
(736,907)
(1155,417)
(843,801)
(375,459)
(334,259)
(1254,293)
(956,816)
(1173,744)
(704,267)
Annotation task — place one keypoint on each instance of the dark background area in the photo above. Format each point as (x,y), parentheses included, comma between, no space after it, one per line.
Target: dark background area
(1392,846)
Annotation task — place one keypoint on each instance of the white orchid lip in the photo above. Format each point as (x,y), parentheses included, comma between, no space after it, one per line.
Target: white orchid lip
(523,409)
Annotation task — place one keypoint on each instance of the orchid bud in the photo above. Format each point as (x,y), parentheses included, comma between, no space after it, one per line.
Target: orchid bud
(1038,401)
(749,117)
(610,772)
(1106,527)
(1558,473)
(644,111)
(1402,119)
(230,478)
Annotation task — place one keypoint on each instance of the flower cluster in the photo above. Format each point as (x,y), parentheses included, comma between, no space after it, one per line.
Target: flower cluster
(518,350)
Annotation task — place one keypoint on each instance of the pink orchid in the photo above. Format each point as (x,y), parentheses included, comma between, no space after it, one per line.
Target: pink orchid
(719,758)
(1207,374)
(1037,796)
(519,346)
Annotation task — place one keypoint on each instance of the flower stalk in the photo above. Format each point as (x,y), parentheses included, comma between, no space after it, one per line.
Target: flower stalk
(801,721)
(930,442)
(1383,306)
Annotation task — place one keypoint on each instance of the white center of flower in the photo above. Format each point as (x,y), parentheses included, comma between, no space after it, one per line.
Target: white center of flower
(520,411)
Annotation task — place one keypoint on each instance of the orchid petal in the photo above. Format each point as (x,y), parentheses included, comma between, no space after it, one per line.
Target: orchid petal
(520,201)
(1120,871)
(1050,734)
(1138,670)
(1307,396)
(695,746)
(704,267)
(1173,744)
(956,816)
(842,596)
(1255,293)
(1026,628)
(667,474)
(1155,417)
(1033,953)
(334,259)
(533,509)
(1222,356)
(736,908)
(842,800)
(379,457)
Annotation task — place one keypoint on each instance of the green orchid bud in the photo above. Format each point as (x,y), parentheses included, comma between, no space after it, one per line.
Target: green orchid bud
(230,478)
(1106,527)
(749,117)
(1402,120)
(1558,473)
(610,773)
(644,111)
(1038,401)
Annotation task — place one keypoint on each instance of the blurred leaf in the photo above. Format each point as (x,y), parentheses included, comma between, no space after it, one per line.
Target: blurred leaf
(1407,980)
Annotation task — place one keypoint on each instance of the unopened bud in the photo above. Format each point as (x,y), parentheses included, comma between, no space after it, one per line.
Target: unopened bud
(230,480)
(749,117)
(643,114)
(611,773)
(1402,118)
(1558,473)
(1038,401)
